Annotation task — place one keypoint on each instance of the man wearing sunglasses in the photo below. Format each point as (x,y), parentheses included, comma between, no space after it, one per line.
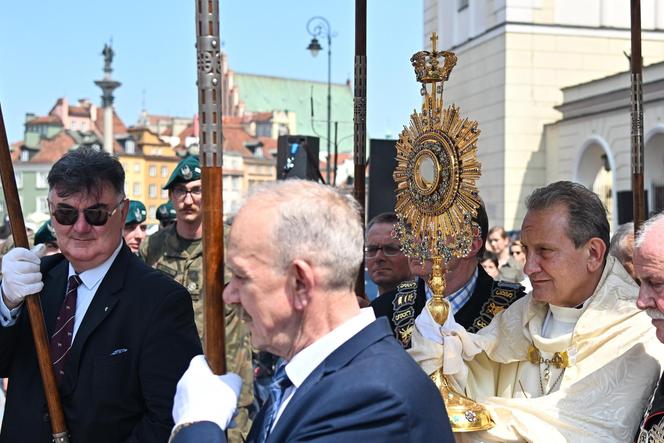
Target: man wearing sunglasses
(177,250)
(120,334)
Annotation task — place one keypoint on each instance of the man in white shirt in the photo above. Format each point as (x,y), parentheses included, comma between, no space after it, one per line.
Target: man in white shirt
(120,333)
(294,252)
(572,361)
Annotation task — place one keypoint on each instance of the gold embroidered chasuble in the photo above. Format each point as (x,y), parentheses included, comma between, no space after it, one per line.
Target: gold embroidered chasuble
(614,365)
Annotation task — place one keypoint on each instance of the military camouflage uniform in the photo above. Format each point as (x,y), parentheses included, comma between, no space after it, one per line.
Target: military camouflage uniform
(183,260)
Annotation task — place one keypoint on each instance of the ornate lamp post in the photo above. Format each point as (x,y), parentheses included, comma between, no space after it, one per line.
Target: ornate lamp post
(320,27)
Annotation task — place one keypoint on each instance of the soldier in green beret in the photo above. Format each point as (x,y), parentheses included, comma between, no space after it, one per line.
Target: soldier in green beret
(46,234)
(177,250)
(166,214)
(135,226)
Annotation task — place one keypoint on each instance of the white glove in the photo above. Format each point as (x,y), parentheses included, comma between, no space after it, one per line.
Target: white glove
(432,330)
(20,274)
(458,344)
(203,396)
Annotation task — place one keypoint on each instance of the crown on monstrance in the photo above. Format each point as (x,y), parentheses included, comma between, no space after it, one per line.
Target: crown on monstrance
(427,64)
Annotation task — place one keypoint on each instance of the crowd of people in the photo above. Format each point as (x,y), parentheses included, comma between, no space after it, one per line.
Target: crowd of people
(549,328)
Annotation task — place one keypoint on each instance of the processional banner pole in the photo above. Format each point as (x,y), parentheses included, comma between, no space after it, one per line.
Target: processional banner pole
(636,68)
(359,118)
(208,47)
(32,302)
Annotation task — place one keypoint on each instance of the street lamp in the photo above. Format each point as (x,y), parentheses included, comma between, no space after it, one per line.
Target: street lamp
(320,27)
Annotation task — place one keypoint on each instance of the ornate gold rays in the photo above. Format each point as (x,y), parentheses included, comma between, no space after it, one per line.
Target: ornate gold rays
(437,168)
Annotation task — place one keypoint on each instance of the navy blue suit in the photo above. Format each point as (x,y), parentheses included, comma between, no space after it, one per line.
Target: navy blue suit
(134,343)
(367,390)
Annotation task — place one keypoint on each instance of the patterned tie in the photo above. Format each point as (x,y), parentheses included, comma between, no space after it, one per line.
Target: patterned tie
(280,382)
(64,329)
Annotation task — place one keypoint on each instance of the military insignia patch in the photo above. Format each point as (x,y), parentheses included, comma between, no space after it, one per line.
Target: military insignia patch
(503,294)
(186,172)
(403,315)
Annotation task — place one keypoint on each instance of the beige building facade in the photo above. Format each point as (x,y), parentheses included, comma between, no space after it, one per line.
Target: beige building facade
(514,59)
(591,143)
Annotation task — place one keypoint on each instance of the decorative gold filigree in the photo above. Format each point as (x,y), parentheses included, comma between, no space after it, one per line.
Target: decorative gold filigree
(437,196)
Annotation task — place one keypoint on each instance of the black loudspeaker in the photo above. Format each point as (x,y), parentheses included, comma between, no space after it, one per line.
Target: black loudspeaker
(626,206)
(382,190)
(297,157)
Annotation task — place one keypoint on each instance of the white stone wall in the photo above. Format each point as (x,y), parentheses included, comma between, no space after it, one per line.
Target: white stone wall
(509,78)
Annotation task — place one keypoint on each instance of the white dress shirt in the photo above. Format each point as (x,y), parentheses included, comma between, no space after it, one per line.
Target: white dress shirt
(90,281)
(304,362)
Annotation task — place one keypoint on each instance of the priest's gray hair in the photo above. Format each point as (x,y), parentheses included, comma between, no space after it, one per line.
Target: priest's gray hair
(646,227)
(617,247)
(315,223)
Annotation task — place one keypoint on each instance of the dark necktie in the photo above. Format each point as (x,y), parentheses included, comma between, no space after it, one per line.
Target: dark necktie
(64,329)
(280,382)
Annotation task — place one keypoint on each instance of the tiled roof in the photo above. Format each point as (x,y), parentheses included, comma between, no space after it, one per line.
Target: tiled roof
(186,132)
(260,93)
(52,149)
(261,116)
(45,119)
(234,139)
(15,150)
(79,111)
(269,146)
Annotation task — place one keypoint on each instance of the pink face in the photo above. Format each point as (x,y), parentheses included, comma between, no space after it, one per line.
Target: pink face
(491,268)
(557,269)
(387,265)
(256,288)
(84,245)
(497,242)
(134,234)
(187,200)
(649,269)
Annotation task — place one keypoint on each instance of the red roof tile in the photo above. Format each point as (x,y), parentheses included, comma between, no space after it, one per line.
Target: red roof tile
(15,150)
(79,111)
(52,149)
(234,140)
(261,116)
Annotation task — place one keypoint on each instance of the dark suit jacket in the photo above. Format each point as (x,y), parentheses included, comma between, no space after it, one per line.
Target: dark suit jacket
(133,345)
(368,390)
(654,415)
(487,299)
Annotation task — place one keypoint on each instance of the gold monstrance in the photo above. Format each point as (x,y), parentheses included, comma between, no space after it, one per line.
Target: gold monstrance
(437,197)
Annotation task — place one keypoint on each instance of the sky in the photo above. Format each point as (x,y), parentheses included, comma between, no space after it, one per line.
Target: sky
(50,49)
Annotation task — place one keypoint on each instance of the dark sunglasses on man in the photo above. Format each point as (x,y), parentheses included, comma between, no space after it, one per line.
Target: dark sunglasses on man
(94,216)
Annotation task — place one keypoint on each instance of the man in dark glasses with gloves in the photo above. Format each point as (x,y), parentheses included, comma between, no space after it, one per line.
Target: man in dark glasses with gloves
(120,333)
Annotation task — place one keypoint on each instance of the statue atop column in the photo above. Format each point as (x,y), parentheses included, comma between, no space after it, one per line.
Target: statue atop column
(108,53)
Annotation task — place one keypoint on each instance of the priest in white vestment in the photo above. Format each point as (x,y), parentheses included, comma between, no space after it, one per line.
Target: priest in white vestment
(575,360)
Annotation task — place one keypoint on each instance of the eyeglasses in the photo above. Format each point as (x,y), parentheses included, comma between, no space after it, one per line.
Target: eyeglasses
(67,216)
(180,193)
(388,250)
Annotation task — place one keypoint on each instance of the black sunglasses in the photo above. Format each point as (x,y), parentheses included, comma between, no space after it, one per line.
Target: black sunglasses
(93,216)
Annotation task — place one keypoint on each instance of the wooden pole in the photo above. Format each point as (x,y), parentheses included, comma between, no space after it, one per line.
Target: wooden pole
(360,113)
(636,67)
(32,302)
(208,47)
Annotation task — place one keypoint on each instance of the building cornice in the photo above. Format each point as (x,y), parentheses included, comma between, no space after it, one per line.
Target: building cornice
(551,29)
